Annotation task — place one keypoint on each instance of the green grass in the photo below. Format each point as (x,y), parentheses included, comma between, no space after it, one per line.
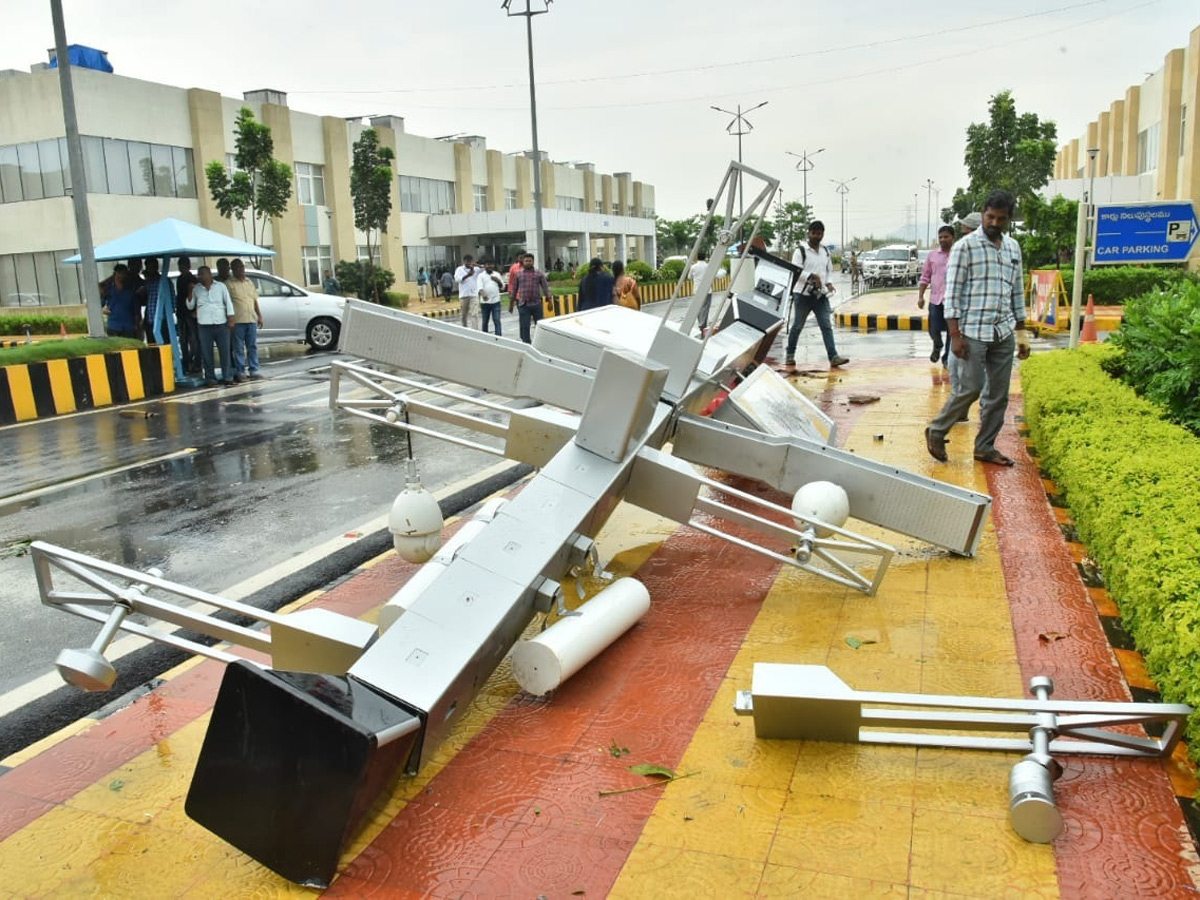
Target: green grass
(68,349)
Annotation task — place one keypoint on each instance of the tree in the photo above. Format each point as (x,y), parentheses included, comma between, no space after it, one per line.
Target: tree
(791,224)
(1048,234)
(371,188)
(260,185)
(676,237)
(1011,151)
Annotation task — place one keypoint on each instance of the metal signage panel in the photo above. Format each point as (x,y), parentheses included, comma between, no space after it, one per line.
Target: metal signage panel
(1145,232)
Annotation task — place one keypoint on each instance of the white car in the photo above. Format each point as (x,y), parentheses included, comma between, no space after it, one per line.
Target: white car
(895,264)
(292,314)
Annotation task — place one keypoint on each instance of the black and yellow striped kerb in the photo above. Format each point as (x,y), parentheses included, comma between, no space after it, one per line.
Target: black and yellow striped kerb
(874,322)
(57,386)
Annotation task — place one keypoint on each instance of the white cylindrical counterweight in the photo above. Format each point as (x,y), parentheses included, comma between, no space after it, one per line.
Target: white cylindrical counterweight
(543,663)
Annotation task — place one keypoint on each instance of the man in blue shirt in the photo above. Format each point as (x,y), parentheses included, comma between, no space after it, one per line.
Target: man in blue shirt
(985,311)
(120,304)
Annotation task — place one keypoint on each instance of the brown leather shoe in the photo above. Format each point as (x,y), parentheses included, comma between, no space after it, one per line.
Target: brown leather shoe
(936,446)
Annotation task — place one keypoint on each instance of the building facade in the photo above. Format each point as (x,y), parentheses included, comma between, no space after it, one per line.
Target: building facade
(146,146)
(1147,143)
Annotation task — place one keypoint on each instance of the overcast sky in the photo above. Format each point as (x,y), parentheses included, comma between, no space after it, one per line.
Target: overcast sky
(886,87)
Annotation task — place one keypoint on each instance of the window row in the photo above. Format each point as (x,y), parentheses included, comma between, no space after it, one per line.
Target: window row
(572,204)
(426,195)
(39,279)
(115,166)
(480,194)
(428,258)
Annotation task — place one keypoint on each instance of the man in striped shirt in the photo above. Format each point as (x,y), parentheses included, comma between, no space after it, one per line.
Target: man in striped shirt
(985,314)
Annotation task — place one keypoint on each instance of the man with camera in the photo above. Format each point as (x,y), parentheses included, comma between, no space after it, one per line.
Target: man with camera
(810,294)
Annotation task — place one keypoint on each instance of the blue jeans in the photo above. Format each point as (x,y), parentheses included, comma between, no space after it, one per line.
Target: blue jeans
(245,347)
(530,316)
(220,334)
(818,305)
(491,313)
(937,325)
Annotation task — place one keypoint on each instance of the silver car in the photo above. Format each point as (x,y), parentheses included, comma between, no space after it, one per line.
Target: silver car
(292,314)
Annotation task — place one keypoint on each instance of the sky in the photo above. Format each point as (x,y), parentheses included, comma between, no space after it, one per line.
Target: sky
(884,89)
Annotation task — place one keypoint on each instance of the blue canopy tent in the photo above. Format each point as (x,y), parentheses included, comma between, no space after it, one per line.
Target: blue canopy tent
(169,239)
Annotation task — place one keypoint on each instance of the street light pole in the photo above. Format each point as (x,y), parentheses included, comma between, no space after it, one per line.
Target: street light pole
(83,222)
(928,212)
(529,12)
(1083,230)
(743,126)
(804,167)
(843,188)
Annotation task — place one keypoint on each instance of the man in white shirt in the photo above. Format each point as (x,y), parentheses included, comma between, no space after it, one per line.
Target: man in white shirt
(810,294)
(467,278)
(489,295)
(695,273)
(214,315)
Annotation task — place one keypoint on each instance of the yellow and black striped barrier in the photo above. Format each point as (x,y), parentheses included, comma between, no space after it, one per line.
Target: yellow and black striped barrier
(651,293)
(56,386)
(562,304)
(876,322)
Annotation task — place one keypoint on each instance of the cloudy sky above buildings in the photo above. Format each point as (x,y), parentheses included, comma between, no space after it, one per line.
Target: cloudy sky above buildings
(885,88)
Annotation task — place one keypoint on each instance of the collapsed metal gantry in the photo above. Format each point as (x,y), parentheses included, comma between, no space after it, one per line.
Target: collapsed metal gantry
(624,407)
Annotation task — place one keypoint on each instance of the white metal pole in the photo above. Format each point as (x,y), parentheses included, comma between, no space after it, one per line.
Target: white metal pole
(537,156)
(1077,282)
(83,224)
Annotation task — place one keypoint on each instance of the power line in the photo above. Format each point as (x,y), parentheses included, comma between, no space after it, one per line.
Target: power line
(625,105)
(865,45)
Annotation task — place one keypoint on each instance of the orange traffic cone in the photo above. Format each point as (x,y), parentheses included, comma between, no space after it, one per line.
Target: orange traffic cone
(1088,334)
(62,330)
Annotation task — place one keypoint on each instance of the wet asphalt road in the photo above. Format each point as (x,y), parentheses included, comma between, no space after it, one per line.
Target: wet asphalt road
(213,487)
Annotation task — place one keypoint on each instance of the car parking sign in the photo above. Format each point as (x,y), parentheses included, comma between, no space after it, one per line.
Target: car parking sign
(1145,232)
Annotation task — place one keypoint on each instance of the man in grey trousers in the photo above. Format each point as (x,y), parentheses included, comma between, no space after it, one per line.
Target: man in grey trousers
(985,315)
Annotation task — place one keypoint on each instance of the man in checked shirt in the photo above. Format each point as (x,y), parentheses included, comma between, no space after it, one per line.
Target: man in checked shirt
(985,315)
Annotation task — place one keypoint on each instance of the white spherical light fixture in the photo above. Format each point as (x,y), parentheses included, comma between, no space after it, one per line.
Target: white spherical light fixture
(822,500)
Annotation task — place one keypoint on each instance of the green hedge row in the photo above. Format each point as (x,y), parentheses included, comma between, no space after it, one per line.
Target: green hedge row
(1132,481)
(42,324)
(1111,285)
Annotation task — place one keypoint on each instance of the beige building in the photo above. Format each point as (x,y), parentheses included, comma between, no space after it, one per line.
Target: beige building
(1146,143)
(146,146)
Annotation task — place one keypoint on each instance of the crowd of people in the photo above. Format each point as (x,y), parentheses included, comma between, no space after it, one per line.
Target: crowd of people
(212,312)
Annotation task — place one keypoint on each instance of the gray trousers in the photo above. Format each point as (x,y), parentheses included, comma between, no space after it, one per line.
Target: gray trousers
(990,359)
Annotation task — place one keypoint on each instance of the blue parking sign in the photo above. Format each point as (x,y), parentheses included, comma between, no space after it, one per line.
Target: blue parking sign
(1145,232)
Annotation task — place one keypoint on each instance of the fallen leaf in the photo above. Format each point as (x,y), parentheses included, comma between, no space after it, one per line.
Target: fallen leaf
(859,399)
(616,751)
(651,769)
(856,642)
(116,784)
(1051,636)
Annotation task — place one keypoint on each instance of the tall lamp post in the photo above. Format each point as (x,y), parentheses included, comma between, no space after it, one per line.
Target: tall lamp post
(928,212)
(529,12)
(83,222)
(743,126)
(843,188)
(1083,230)
(804,167)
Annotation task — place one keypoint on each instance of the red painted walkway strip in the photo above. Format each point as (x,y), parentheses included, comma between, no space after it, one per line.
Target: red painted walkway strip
(517,812)
(1123,823)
